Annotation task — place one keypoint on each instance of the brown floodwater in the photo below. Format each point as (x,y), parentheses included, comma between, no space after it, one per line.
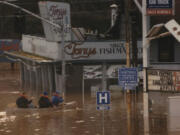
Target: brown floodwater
(125,117)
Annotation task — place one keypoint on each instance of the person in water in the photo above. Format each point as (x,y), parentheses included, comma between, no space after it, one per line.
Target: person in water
(23,102)
(44,101)
(56,99)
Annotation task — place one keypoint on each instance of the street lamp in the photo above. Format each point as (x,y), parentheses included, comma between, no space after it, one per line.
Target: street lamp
(31,13)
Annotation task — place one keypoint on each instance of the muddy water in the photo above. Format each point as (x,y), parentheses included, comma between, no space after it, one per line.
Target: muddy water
(125,116)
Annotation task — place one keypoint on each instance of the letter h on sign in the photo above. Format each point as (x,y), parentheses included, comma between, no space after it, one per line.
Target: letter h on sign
(103,98)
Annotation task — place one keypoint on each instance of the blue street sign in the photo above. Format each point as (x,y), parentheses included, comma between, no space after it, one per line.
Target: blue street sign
(159,4)
(103,98)
(128,77)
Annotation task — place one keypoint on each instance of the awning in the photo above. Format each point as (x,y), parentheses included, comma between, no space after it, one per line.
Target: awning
(163,30)
(156,32)
(16,55)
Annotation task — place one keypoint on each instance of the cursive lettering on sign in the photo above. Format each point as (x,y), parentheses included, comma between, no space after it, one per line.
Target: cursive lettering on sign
(76,51)
(57,13)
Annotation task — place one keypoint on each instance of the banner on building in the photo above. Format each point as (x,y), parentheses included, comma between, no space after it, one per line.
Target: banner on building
(160,7)
(98,51)
(8,45)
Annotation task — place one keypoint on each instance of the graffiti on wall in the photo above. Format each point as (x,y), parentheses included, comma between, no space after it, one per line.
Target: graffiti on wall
(163,80)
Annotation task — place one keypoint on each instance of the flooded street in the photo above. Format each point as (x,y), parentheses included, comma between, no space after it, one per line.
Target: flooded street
(125,117)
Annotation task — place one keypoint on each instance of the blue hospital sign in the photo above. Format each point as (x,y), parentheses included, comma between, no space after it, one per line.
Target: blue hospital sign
(103,98)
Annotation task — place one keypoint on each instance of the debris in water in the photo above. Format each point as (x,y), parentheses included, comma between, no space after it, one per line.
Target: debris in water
(8,131)
(27,116)
(87,132)
(36,129)
(79,121)
(73,127)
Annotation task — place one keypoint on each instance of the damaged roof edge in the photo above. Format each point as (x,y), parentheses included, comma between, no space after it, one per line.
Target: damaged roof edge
(27,56)
(154,30)
(172,28)
(160,35)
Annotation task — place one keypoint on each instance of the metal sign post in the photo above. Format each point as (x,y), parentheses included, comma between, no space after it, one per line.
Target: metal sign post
(145,42)
(103,100)
(146,25)
(104,80)
(63,66)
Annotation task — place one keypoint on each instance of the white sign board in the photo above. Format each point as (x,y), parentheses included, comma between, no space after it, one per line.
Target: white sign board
(85,51)
(173,114)
(59,13)
(163,80)
(174,28)
(98,51)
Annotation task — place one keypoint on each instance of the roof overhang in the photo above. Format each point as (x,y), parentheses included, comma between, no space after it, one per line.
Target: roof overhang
(20,55)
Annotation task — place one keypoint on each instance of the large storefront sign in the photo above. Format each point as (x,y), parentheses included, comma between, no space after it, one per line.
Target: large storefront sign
(163,80)
(85,51)
(98,51)
(160,7)
(59,13)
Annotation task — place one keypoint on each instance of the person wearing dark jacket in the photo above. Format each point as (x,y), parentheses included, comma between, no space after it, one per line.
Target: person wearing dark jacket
(22,101)
(44,101)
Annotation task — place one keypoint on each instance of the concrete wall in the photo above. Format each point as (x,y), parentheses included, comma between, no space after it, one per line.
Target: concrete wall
(40,46)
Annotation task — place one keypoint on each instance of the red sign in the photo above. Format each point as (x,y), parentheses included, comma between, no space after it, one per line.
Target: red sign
(159,11)
(160,7)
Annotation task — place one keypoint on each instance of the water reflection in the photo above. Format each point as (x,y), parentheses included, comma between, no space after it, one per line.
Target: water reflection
(4,118)
(133,113)
(129,114)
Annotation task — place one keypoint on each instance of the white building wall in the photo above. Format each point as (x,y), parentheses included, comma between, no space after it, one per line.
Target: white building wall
(40,46)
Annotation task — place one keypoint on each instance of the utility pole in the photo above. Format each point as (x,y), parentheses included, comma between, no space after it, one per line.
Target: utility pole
(127,34)
(146,25)
(134,39)
(63,65)
(128,96)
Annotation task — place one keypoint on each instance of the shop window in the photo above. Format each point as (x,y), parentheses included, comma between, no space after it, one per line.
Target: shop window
(166,49)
